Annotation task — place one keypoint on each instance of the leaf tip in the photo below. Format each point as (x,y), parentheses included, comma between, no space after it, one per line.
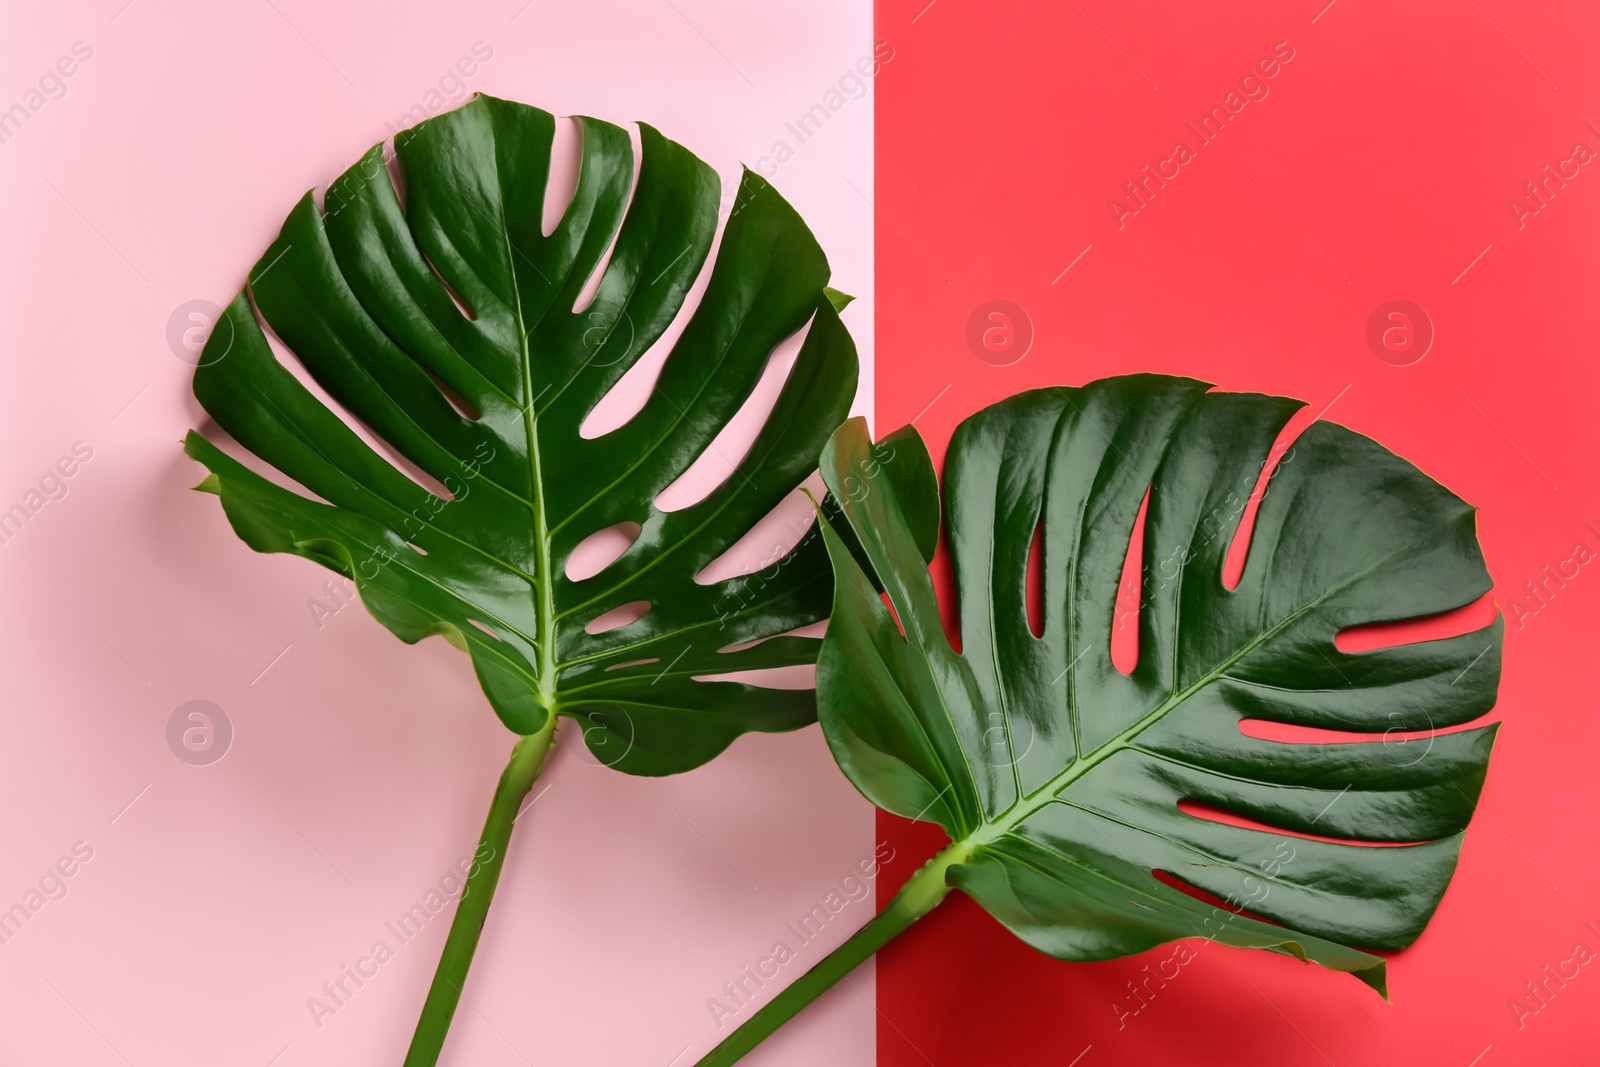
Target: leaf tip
(1377,978)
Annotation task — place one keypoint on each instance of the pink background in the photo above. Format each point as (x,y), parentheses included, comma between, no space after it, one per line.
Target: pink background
(223,896)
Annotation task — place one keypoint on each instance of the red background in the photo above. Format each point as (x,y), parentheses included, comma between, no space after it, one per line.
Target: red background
(1379,167)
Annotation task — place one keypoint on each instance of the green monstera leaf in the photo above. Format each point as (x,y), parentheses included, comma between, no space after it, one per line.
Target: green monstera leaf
(1059,779)
(449,326)
(355,292)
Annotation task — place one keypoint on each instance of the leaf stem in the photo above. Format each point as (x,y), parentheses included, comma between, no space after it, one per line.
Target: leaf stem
(527,761)
(922,892)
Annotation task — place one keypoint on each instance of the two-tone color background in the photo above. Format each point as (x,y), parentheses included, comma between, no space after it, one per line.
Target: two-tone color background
(987,160)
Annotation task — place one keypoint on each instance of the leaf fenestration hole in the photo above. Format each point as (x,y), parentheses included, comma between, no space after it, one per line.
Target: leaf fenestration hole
(290,362)
(211,431)
(482,627)
(601,549)
(591,285)
(1288,733)
(1189,889)
(1200,809)
(1369,637)
(464,407)
(894,615)
(719,461)
(1239,546)
(943,572)
(566,157)
(628,397)
(618,617)
(814,629)
(397,179)
(1035,580)
(397,174)
(764,548)
(455,297)
(634,663)
(799,676)
(1130,593)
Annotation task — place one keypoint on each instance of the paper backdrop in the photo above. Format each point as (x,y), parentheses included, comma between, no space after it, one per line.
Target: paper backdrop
(1363,154)
(158,149)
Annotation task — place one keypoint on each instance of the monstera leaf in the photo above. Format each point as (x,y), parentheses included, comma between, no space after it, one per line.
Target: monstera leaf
(447,327)
(1059,779)
(453,329)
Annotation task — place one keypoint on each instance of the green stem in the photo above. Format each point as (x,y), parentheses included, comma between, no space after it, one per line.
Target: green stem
(527,760)
(923,892)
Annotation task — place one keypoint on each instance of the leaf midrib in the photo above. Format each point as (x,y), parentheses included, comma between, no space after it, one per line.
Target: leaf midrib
(544,609)
(546,617)
(683,416)
(544,605)
(1006,822)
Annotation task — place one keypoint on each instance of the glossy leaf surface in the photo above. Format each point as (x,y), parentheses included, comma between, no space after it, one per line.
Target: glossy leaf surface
(450,327)
(1060,779)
